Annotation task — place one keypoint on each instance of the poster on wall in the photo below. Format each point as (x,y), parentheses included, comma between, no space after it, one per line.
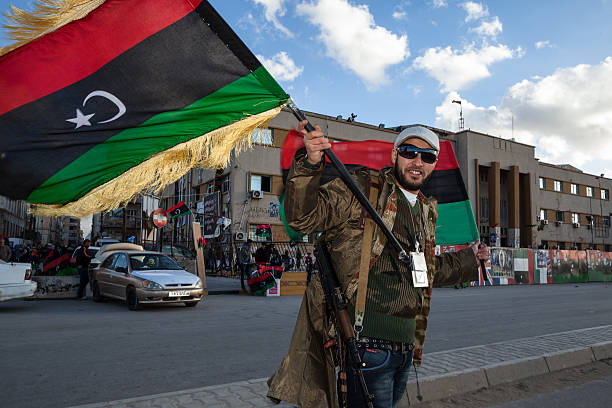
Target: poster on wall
(600,266)
(568,266)
(274,210)
(543,272)
(521,267)
(502,270)
(211,213)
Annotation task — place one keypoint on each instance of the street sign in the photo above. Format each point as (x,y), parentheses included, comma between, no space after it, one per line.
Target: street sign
(159,218)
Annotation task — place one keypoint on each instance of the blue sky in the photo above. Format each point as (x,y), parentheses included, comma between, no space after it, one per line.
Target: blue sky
(546,66)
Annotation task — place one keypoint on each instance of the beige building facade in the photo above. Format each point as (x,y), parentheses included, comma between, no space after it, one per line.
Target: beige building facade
(502,178)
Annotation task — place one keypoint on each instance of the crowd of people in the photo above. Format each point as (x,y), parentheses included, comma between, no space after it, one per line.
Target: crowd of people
(36,254)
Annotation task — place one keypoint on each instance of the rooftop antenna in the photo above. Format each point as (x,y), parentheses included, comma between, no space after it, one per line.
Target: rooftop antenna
(461,123)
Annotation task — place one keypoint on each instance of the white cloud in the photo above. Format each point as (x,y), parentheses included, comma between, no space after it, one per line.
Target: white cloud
(566,115)
(456,70)
(352,38)
(489,28)
(607,172)
(543,44)
(273,9)
(399,15)
(281,66)
(474,10)
(439,3)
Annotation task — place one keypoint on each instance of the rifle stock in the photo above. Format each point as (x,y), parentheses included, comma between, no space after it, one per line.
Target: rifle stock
(335,300)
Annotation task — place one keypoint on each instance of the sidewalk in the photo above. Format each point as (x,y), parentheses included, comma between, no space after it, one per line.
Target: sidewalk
(443,373)
(219,285)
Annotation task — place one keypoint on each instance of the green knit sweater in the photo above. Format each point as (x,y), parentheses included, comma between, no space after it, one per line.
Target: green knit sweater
(392,301)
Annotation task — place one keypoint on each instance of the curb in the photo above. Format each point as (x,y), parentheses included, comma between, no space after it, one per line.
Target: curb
(459,382)
(169,394)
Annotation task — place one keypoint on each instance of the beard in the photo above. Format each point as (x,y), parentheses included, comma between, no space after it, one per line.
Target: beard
(405,183)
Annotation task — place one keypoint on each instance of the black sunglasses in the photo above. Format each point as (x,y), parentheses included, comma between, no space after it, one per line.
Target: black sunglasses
(428,156)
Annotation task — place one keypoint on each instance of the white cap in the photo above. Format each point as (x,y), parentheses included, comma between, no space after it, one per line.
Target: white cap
(420,132)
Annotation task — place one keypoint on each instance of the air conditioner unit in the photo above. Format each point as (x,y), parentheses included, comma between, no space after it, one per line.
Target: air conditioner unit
(558,222)
(545,222)
(240,236)
(258,194)
(576,224)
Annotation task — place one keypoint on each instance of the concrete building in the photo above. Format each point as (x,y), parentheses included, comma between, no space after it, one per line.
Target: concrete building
(13,217)
(503,179)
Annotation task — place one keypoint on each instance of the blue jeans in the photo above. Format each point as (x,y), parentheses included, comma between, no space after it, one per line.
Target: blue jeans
(386,375)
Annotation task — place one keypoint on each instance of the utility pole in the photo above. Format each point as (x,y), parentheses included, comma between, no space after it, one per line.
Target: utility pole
(124,227)
(461,123)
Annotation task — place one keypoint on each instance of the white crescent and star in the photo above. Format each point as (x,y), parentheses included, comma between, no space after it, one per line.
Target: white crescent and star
(83,120)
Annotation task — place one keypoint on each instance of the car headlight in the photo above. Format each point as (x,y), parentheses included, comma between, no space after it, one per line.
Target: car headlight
(151,285)
(198,283)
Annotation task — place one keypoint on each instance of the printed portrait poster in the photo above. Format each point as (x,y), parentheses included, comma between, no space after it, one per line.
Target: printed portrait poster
(274,210)
(502,269)
(569,266)
(543,273)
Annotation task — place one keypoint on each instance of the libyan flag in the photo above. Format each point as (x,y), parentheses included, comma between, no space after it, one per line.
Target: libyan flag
(455,224)
(178,210)
(126,97)
(263,231)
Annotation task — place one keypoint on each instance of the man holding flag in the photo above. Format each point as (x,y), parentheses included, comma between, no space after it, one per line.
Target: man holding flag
(389,300)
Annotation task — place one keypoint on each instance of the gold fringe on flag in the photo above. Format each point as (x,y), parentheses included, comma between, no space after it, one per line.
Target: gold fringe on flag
(48,16)
(212,150)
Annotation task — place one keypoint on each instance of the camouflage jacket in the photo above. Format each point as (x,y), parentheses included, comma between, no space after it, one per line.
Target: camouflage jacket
(306,375)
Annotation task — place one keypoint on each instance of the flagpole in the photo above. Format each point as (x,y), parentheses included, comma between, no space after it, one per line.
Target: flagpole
(350,183)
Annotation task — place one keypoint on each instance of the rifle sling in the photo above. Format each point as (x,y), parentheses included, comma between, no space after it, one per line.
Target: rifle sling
(364,264)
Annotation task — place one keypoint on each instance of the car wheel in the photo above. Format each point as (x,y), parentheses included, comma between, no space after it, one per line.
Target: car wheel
(132,299)
(191,304)
(95,289)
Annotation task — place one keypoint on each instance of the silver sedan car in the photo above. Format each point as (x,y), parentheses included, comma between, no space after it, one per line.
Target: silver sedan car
(142,277)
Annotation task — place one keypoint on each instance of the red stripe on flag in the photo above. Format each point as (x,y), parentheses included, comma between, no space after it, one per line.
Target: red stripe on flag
(374,154)
(50,63)
(178,205)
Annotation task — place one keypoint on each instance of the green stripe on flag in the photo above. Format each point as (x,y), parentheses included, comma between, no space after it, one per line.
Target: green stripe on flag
(293,234)
(456,224)
(255,93)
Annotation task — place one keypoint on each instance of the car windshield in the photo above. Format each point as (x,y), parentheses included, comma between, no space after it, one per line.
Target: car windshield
(152,261)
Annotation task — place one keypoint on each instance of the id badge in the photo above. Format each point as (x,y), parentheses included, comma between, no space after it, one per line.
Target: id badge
(419,272)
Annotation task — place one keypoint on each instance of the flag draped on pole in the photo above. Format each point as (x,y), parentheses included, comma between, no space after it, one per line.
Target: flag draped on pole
(455,224)
(178,210)
(111,98)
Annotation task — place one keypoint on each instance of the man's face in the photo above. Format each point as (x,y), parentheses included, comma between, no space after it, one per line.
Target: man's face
(411,174)
(86,244)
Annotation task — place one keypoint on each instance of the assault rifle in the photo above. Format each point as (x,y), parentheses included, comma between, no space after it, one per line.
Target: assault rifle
(336,306)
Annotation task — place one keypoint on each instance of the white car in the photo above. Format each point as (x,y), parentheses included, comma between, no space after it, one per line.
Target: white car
(15,280)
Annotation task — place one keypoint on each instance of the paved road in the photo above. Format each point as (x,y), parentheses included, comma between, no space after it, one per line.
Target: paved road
(61,353)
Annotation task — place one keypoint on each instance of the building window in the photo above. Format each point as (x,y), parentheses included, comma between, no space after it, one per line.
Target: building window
(605,194)
(558,185)
(589,191)
(574,188)
(262,183)
(559,216)
(225,184)
(210,187)
(263,136)
(606,221)
(575,218)
(542,214)
(542,183)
